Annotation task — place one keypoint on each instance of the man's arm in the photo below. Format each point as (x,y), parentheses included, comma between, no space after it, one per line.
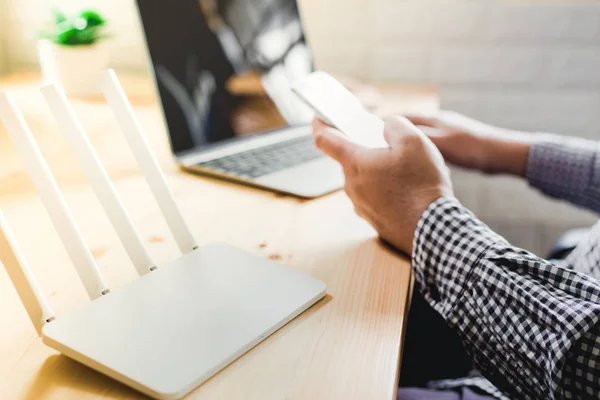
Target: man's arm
(567,169)
(531,327)
(561,167)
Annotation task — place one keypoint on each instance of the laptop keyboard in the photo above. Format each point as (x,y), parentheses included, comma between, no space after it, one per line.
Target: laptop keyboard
(265,160)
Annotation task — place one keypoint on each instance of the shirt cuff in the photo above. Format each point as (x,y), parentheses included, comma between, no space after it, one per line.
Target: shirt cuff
(449,242)
(562,167)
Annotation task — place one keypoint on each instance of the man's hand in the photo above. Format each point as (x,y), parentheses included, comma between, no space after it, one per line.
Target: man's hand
(475,145)
(390,188)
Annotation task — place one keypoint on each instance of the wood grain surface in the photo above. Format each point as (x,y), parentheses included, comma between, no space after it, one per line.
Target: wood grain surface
(347,346)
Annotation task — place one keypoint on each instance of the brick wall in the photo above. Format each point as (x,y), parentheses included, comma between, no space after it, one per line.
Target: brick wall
(531,65)
(527,66)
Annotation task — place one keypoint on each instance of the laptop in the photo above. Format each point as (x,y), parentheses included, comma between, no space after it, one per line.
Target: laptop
(223,70)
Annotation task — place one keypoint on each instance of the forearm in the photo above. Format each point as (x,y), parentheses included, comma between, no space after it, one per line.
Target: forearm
(518,316)
(507,151)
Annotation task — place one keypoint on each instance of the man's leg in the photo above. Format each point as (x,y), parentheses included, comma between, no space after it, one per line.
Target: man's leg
(428,394)
(432,351)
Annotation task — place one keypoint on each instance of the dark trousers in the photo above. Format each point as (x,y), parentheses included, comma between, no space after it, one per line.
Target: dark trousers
(426,394)
(432,351)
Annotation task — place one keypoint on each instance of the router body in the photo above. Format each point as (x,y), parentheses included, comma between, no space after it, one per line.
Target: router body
(169,331)
(178,324)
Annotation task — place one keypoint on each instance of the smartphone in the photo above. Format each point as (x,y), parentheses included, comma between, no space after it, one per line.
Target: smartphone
(338,107)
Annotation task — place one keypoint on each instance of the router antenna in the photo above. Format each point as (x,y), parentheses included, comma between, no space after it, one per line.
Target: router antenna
(22,278)
(51,196)
(115,95)
(98,177)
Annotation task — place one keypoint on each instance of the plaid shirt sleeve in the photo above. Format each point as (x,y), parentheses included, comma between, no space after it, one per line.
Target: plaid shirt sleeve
(531,327)
(566,168)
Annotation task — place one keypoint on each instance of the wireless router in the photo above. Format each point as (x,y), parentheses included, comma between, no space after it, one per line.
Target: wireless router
(179,324)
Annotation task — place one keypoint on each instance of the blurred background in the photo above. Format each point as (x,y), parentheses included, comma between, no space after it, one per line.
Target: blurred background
(531,65)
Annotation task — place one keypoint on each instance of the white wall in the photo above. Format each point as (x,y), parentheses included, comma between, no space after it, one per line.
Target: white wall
(532,65)
(3,51)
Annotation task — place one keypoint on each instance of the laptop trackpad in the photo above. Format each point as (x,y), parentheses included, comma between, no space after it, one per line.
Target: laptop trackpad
(312,179)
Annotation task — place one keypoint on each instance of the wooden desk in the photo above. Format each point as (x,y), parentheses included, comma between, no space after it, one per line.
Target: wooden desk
(347,346)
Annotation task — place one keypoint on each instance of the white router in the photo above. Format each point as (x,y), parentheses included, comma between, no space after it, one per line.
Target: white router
(179,324)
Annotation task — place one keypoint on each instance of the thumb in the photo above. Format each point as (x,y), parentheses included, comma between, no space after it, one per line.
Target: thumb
(396,128)
(332,143)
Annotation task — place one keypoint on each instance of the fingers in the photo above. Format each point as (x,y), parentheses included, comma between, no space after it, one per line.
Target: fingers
(396,129)
(423,119)
(331,142)
(436,135)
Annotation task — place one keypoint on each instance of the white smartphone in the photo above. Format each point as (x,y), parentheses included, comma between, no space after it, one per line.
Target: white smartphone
(338,107)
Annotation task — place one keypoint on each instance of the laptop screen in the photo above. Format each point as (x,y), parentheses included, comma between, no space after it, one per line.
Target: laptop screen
(223,67)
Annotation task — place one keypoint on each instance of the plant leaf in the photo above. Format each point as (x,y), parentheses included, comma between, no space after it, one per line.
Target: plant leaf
(92,17)
(59,16)
(83,29)
(67,36)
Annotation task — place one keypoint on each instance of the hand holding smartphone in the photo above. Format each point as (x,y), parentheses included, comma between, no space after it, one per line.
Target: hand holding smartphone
(338,107)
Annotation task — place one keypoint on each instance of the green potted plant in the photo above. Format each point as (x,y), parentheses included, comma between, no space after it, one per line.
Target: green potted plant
(72,51)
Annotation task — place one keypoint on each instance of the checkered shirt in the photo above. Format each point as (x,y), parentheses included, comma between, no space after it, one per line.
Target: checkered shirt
(531,326)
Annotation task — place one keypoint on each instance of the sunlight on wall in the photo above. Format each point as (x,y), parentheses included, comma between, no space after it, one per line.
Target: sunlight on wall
(3,49)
